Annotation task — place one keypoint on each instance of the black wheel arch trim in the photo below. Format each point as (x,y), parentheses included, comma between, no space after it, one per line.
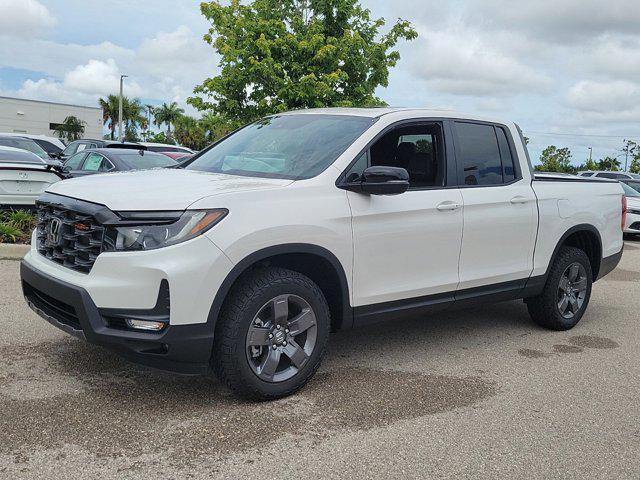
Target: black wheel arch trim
(289,248)
(575,229)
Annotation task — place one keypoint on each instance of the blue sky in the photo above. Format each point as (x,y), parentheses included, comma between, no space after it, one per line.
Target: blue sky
(568,71)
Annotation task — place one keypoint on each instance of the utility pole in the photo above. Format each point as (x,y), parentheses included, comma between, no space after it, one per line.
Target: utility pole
(590,154)
(120,139)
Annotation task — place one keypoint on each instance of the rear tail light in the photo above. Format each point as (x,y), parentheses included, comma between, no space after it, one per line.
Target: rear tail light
(624,212)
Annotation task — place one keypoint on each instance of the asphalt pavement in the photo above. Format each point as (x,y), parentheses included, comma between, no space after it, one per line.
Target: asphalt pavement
(480,393)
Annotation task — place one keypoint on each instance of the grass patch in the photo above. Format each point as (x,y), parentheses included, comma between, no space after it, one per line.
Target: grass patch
(16,226)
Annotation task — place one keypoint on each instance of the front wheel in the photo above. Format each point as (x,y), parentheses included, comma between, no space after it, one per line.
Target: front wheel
(566,294)
(271,335)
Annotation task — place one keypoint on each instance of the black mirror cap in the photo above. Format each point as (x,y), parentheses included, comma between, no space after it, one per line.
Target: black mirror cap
(381,181)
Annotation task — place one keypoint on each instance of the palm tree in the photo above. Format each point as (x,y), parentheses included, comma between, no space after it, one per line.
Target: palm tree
(167,113)
(71,129)
(110,113)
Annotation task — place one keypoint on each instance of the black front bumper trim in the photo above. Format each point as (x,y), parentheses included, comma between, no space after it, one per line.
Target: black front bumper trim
(182,349)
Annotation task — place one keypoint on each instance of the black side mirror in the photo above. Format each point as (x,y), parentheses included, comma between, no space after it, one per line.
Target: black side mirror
(381,181)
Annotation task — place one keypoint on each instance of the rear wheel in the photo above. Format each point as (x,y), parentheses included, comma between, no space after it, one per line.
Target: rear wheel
(271,335)
(567,292)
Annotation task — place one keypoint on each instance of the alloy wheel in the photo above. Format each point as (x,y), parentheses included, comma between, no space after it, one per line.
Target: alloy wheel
(572,290)
(281,338)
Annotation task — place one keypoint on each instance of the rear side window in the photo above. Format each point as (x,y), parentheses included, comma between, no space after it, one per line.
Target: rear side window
(485,154)
(508,164)
(612,175)
(478,150)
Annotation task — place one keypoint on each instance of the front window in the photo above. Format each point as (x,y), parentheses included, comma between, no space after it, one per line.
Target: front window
(287,146)
(71,149)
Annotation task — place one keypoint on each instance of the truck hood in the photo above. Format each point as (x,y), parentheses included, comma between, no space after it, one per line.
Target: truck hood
(162,189)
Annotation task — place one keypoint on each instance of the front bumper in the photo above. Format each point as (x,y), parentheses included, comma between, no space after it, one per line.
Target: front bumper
(632,224)
(178,348)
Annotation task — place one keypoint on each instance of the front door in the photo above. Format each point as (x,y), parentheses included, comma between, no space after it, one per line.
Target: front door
(406,247)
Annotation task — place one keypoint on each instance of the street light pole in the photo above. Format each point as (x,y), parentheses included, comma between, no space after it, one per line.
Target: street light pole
(590,154)
(120,139)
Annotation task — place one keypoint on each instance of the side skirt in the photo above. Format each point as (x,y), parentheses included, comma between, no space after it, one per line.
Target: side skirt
(429,304)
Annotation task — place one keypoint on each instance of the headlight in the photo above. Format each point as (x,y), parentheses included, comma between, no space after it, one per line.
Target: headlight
(158,229)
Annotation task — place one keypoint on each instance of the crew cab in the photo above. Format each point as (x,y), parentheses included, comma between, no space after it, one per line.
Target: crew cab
(243,261)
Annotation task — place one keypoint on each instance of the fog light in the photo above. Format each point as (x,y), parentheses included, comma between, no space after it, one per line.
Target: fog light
(145,325)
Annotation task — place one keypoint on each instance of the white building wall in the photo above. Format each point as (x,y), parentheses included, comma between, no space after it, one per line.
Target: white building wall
(35,117)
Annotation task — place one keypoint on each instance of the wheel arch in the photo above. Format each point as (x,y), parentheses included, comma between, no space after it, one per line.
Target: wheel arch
(587,238)
(317,263)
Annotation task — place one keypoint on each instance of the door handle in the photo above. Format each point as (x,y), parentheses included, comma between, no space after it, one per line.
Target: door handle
(519,200)
(448,206)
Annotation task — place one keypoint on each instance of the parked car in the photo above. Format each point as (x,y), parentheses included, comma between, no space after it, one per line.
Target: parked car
(163,147)
(632,223)
(24,143)
(313,221)
(612,175)
(53,146)
(178,156)
(635,184)
(86,143)
(23,177)
(103,160)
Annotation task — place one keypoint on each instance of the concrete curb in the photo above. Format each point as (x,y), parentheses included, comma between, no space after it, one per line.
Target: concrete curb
(13,251)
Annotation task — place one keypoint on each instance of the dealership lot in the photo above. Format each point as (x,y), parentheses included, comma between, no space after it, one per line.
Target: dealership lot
(471,393)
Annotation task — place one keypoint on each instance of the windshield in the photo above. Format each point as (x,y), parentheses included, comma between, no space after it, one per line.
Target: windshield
(630,191)
(25,144)
(146,161)
(288,146)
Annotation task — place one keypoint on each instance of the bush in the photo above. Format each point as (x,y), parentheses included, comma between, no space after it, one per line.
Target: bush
(16,226)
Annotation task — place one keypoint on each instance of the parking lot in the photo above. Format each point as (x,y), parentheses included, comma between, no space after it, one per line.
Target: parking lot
(464,394)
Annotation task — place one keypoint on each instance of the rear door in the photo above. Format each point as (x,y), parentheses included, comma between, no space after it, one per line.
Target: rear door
(500,211)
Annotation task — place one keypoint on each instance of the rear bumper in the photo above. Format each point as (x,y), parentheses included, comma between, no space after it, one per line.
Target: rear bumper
(179,348)
(608,264)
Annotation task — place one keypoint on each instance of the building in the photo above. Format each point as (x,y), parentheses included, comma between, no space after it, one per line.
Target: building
(18,115)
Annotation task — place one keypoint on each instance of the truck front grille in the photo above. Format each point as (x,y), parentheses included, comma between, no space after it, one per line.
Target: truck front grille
(68,237)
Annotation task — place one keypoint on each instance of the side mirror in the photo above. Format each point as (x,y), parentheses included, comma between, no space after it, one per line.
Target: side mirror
(381,181)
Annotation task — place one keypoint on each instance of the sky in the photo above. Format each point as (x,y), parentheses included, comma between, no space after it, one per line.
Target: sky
(567,71)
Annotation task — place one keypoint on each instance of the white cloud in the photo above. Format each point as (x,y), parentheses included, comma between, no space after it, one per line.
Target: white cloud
(558,20)
(24,18)
(455,61)
(615,101)
(84,84)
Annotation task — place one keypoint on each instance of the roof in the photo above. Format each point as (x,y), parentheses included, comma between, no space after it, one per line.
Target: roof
(50,103)
(18,155)
(382,111)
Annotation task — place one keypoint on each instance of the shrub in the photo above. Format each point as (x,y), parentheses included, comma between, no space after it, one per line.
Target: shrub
(16,226)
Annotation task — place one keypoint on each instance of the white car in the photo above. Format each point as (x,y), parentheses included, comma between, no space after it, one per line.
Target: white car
(163,147)
(51,145)
(611,175)
(632,223)
(23,177)
(313,221)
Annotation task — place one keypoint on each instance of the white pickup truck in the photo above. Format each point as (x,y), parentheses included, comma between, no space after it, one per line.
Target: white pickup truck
(306,222)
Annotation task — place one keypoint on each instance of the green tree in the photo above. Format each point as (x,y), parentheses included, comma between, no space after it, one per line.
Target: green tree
(278,55)
(167,113)
(609,164)
(589,165)
(132,115)
(110,113)
(161,137)
(215,126)
(554,159)
(635,164)
(629,149)
(190,133)
(71,129)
